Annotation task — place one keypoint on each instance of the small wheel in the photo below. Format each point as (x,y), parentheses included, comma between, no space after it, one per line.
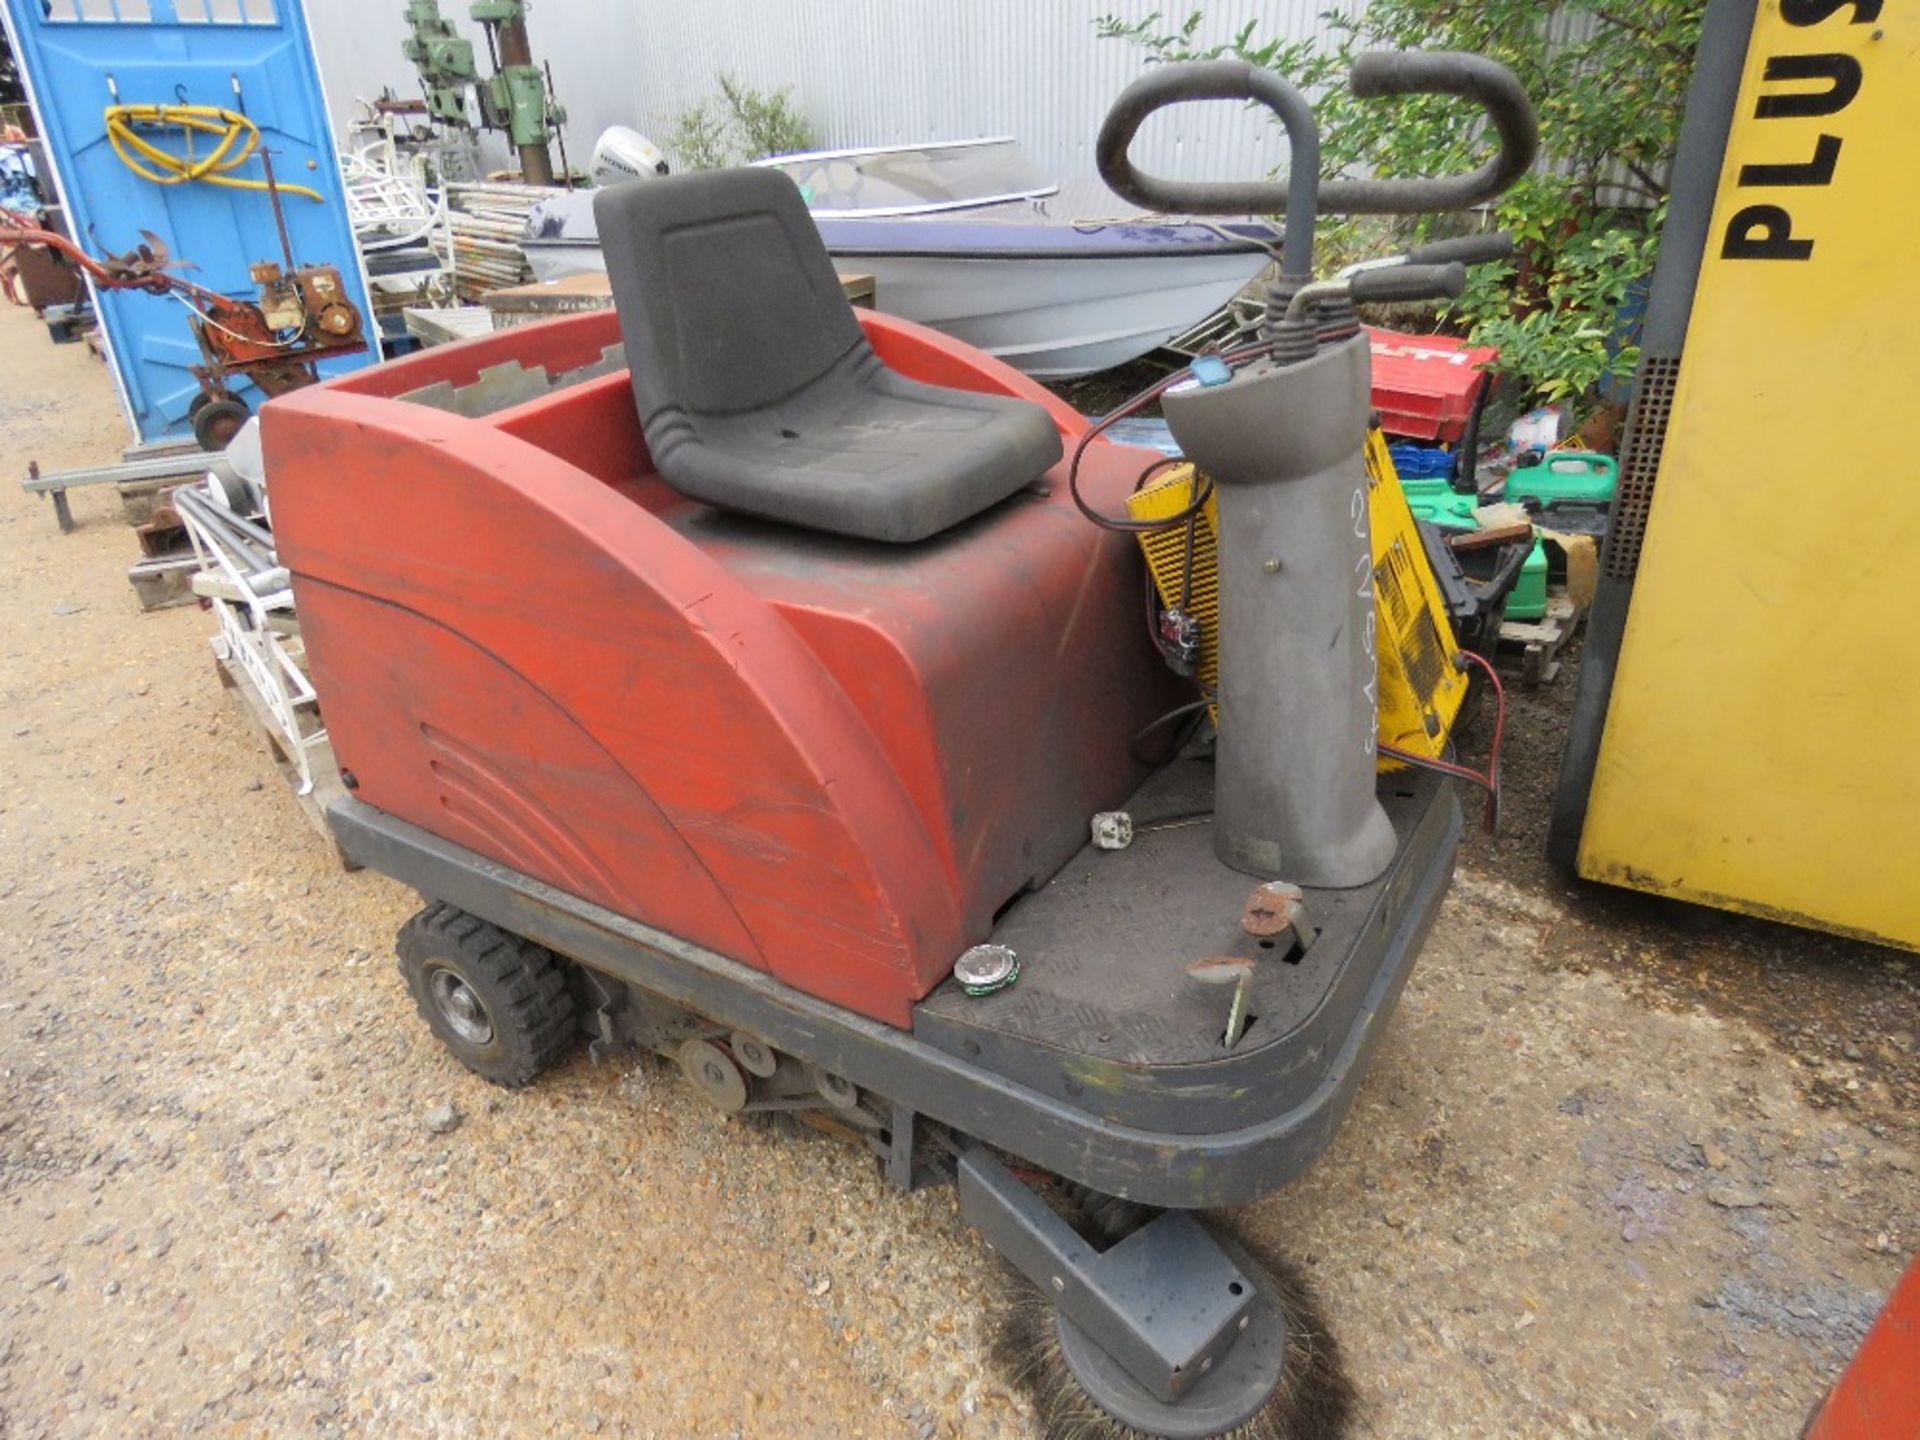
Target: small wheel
(498,1002)
(217,422)
(756,1057)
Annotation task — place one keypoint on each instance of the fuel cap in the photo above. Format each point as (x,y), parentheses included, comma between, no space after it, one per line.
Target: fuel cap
(984,969)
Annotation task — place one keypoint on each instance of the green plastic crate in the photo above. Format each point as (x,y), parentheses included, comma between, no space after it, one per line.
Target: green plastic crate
(1435,500)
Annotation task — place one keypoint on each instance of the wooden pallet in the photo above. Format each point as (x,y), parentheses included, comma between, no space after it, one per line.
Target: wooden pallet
(326,770)
(1536,644)
(163,580)
(139,499)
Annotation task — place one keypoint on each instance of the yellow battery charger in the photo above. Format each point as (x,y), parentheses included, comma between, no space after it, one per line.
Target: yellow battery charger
(1421,690)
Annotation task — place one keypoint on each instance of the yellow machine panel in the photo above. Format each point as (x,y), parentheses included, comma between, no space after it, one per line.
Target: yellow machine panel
(1759,749)
(1194,585)
(1420,689)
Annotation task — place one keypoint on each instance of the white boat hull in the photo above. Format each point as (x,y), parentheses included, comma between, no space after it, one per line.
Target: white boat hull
(1052,316)
(1058,317)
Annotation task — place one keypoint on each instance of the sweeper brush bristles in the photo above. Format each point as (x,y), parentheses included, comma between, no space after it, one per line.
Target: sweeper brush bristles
(1314,1400)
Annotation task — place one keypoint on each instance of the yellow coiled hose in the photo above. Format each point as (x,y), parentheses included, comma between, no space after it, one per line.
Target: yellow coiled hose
(238,136)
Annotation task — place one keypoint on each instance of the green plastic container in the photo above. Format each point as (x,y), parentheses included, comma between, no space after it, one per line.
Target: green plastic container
(1528,600)
(1579,476)
(1438,503)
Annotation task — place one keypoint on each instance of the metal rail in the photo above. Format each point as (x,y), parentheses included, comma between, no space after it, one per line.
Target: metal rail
(56,483)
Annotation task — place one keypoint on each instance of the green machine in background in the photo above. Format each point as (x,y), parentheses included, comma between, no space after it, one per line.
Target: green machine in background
(517,98)
(444,61)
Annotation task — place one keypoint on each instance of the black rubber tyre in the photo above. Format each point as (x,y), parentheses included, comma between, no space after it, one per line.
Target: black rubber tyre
(217,422)
(501,1004)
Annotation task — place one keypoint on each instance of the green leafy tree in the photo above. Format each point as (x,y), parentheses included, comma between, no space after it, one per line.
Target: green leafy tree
(700,139)
(765,120)
(742,124)
(1608,82)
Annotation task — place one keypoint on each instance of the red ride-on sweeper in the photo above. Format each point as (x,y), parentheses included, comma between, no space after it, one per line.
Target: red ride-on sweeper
(739,678)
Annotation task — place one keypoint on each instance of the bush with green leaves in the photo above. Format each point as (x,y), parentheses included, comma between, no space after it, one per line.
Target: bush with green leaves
(1608,82)
(765,121)
(700,138)
(741,124)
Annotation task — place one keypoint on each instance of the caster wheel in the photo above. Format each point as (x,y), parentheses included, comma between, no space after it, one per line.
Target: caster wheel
(216,422)
(498,1002)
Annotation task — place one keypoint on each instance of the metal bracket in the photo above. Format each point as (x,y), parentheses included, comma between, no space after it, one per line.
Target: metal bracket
(1278,908)
(899,1156)
(1165,1303)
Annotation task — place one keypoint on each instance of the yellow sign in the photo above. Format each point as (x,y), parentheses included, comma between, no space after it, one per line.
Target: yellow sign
(1762,746)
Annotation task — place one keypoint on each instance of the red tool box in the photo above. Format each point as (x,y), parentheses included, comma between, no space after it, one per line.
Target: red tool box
(1425,386)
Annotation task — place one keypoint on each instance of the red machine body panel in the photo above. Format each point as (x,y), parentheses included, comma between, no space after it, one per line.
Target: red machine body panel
(1877,1397)
(830,759)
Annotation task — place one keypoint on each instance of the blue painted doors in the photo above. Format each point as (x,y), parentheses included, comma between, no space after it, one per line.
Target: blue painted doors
(252,56)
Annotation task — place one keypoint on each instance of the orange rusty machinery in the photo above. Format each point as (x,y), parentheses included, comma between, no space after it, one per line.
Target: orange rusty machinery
(300,314)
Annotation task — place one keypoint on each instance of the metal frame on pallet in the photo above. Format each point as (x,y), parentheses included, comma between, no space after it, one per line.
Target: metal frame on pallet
(253,604)
(55,483)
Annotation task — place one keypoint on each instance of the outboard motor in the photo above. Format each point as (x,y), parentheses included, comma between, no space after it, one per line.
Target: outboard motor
(622,154)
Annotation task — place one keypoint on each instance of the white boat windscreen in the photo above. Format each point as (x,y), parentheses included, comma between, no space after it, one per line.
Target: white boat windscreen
(913,180)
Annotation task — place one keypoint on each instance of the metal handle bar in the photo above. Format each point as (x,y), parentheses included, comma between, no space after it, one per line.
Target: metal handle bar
(1389,282)
(1467,249)
(1409,282)
(1440,72)
(1218,80)
(1378,73)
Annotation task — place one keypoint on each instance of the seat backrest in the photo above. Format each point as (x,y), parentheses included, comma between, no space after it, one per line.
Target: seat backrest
(727,299)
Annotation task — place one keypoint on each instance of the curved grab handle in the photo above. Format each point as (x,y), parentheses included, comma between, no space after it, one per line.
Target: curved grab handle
(1409,282)
(1440,72)
(1218,80)
(1467,249)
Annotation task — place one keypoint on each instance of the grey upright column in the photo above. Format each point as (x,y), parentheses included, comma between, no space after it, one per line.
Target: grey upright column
(1294,780)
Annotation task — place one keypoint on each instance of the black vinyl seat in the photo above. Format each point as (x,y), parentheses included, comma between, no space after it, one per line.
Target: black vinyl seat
(757,389)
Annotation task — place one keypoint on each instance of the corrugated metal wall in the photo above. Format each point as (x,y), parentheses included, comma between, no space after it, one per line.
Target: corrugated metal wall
(862,71)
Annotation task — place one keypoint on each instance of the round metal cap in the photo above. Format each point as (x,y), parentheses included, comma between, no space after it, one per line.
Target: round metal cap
(460,1006)
(984,969)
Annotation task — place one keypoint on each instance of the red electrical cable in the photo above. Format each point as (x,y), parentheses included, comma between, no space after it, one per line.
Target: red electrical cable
(1489,781)
(1499,733)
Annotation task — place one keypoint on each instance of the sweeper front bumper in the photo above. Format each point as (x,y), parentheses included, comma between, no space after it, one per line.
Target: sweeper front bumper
(1105,1061)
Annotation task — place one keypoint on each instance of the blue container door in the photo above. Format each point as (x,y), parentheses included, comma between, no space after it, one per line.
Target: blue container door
(252,56)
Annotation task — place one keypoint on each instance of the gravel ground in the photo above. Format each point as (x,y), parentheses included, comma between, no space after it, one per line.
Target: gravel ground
(1609,1176)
